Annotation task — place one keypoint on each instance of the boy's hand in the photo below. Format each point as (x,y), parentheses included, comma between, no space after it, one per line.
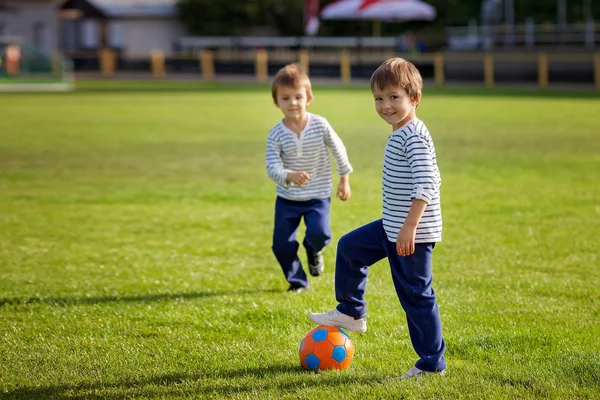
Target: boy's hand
(298,178)
(405,243)
(343,190)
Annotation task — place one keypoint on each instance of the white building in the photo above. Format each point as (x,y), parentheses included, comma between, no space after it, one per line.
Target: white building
(33,21)
(134,27)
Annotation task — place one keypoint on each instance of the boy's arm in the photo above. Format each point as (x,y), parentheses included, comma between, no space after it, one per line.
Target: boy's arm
(425,186)
(333,141)
(425,178)
(405,243)
(275,169)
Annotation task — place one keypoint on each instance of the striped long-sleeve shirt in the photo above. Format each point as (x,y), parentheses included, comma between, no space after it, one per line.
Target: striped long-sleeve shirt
(410,172)
(287,152)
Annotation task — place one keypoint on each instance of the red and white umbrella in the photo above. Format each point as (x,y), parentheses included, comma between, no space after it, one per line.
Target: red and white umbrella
(311,18)
(382,10)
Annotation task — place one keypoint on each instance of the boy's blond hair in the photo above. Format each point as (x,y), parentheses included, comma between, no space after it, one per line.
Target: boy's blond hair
(292,75)
(400,73)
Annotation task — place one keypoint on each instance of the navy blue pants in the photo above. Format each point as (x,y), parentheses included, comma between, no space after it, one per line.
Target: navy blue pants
(363,247)
(288,214)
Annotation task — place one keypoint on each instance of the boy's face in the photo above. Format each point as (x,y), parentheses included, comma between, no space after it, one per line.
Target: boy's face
(394,105)
(293,101)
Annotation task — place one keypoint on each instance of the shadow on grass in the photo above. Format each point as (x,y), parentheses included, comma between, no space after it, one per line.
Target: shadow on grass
(221,384)
(66,301)
(91,86)
(142,86)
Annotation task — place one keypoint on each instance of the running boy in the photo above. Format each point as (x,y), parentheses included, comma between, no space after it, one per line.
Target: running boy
(410,227)
(298,161)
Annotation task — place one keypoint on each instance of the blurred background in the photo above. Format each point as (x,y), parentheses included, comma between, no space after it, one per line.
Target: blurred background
(136,215)
(478,41)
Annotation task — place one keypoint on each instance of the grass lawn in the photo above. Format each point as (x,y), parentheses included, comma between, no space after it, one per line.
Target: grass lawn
(135,261)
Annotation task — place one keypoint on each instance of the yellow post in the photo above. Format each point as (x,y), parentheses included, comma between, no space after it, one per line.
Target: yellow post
(57,64)
(597,69)
(108,62)
(262,65)
(438,69)
(207,65)
(303,60)
(345,71)
(158,64)
(488,70)
(377,28)
(543,70)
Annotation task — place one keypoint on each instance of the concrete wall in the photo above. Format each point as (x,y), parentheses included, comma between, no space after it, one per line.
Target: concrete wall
(138,37)
(36,22)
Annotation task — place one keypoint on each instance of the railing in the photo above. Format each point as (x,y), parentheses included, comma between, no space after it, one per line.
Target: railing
(528,35)
(472,37)
(260,63)
(290,42)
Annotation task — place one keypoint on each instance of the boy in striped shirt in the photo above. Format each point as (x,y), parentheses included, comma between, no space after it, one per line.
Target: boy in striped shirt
(410,227)
(298,161)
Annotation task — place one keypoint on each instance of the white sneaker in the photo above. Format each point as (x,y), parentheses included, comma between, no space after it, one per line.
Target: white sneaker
(415,372)
(336,318)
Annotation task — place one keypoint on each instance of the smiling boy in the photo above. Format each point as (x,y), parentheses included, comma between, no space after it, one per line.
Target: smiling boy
(410,227)
(297,160)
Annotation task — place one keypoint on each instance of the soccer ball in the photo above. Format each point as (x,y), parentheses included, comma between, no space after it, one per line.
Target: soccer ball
(326,347)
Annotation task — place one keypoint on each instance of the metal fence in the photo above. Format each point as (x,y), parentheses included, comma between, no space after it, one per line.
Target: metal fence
(487,68)
(528,35)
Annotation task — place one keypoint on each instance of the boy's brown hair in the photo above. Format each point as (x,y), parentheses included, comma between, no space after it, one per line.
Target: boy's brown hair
(291,75)
(398,72)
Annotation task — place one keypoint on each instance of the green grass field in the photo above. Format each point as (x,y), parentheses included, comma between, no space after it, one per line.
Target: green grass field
(135,261)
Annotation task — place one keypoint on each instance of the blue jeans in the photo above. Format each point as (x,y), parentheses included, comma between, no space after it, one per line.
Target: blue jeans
(288,214)
(363,247)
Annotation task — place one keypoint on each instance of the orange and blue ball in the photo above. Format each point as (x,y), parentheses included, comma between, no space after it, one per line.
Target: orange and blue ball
(326,347)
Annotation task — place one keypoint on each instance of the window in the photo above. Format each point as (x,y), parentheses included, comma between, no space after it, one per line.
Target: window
(69,35)
(90,34)
(116,35)
(40,35)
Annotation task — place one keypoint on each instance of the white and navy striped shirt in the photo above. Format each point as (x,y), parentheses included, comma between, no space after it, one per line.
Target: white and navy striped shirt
(410,172)
(287,152)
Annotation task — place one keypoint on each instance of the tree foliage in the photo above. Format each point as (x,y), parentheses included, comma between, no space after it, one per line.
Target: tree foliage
(286,17)
(238,17)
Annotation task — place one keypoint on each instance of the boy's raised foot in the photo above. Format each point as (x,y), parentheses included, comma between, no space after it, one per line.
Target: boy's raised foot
(415,372)
(336,318)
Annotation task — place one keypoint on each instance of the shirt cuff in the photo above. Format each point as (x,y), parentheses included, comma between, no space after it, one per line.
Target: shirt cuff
(420,193)
(283,176)
(345,172)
